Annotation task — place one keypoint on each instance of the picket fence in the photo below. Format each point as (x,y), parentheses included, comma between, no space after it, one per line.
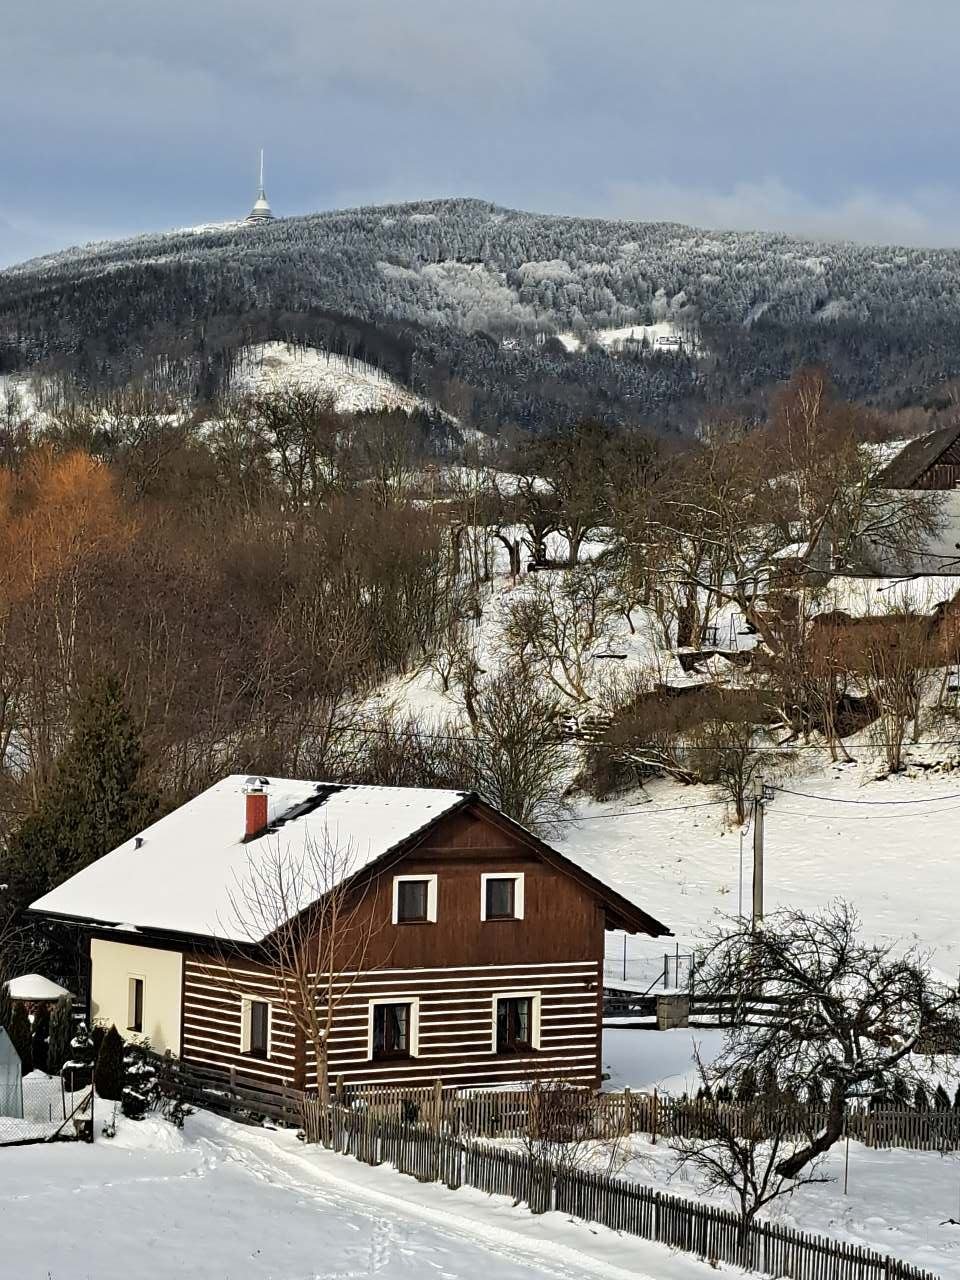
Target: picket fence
(715,1235)
(518,1113)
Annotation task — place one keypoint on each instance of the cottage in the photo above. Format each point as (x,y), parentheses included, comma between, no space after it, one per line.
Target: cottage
(932,461)
(474,955)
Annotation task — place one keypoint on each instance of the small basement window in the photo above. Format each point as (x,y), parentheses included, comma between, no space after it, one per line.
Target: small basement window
(516,1022)
(135,1004)
(255,1035)
(393,1029)
(415,899)
(501,897)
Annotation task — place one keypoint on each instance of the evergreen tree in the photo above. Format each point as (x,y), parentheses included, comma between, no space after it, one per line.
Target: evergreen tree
(110,1073)
(61,1031)
(78,1069)
(40,1038)
(941,1099)
(96,801)
(956,1099)
(746,1087)
(920,1099)
(6,1004)
(21,1034)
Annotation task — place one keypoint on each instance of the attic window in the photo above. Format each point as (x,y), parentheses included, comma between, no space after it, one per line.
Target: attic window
(501,896)
(415,899)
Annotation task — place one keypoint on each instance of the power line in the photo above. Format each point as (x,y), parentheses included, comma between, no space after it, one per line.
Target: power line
(808,795)
(647,808)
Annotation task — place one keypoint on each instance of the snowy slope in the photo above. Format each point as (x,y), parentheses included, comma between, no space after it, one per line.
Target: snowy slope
(353,386)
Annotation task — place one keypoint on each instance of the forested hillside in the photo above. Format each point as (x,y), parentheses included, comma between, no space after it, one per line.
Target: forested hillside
(428,291)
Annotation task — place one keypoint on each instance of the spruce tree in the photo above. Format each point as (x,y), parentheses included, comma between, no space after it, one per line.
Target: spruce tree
(6,1004)
(96,800)
(40,1038)
(110,1073)
(941,1099)
(21,1036)
(61,1032)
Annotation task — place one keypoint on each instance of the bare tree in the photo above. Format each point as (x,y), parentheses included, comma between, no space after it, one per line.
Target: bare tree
(741,1149)
(850,1015)
(311,924)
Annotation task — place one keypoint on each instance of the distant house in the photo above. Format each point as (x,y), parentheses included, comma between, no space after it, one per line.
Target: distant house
(929,462)
(484,954)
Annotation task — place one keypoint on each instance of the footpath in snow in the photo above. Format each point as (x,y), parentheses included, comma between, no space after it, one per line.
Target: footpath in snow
(220,1201)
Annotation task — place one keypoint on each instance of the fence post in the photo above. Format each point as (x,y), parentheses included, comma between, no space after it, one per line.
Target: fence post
(655,1118)
(437,1105)
(627,1105)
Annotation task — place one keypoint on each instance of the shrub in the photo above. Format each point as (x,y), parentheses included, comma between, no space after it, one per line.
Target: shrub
(108,1076)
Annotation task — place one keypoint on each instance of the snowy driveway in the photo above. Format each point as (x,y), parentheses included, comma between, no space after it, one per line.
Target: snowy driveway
(222,1202)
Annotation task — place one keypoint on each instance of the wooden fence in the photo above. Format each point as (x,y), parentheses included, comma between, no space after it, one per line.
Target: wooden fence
(517,1113)
(716,1235)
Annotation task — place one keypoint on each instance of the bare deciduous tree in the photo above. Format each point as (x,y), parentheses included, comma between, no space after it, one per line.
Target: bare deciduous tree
(310,924)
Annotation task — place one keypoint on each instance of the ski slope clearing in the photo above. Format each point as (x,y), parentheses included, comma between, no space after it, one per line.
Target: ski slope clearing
(353,386)
(220,1201)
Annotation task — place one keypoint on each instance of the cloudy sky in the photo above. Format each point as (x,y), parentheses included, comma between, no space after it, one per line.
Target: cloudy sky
(838,118)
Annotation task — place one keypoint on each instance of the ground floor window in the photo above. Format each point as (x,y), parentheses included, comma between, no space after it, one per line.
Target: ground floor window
(516,1022)
(135,1004)
(256,1028)
(393,1029)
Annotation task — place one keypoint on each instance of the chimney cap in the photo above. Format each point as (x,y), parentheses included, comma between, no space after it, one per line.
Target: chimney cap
(255,784)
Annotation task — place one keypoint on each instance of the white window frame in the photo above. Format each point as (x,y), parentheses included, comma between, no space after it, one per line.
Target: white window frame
(535,998)
(517,878)
(131,979)
(401,997)
(246,1021)
(431,898)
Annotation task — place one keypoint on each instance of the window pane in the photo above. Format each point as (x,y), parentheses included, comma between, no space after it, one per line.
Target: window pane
(500,894)
(259,1026)
(391,1030)
(514,1024)
(412,900)
(135,1010)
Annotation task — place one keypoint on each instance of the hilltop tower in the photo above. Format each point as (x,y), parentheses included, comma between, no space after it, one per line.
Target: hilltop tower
(261,211)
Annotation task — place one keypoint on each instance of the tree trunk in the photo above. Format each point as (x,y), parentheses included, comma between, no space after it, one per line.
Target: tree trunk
(832,1133)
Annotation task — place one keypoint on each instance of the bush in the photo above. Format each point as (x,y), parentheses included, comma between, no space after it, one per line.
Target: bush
(109,1073)
(61,1031)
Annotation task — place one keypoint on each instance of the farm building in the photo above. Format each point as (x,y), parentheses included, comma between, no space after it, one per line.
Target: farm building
(931,461)
(446,941)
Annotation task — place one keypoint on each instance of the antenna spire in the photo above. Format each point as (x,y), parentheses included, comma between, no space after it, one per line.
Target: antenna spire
(261,211)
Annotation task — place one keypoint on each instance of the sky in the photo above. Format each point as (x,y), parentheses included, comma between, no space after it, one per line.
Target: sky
(838,119)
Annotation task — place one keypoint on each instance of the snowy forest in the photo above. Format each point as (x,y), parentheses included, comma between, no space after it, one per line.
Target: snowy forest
(467,303)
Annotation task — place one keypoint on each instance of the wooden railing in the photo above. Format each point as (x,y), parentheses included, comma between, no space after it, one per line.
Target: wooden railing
(716,1235)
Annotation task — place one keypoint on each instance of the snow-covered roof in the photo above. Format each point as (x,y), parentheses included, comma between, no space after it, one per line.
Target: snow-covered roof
(187,872)
(34,986)
(875,597)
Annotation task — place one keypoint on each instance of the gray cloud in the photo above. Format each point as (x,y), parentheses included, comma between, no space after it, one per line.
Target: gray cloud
(834,119)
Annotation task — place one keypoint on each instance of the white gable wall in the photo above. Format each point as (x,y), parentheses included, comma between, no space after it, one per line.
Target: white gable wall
(112,966)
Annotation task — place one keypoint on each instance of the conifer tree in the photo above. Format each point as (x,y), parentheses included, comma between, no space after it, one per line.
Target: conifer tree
(95,801)
(40,1037)
(6,1004)
(61,1032)
(78,1069)
(20,1034)
(110,1072)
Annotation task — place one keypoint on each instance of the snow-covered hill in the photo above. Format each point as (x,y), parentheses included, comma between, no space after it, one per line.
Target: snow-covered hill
(353,386)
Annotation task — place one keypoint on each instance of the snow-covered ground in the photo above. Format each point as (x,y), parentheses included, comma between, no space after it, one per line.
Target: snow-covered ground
(353,386)
(889,847)
(219,1201)
(617,339)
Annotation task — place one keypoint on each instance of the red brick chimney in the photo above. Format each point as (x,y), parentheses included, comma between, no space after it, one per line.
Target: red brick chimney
(256,799)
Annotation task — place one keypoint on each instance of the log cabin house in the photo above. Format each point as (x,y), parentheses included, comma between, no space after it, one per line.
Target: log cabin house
(931,461)
(483,955)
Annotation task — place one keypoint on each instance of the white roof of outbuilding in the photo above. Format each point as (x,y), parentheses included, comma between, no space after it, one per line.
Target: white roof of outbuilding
(34,986)
(187,872)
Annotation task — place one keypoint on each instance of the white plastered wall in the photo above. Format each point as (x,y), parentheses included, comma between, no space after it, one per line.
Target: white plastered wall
(112,966)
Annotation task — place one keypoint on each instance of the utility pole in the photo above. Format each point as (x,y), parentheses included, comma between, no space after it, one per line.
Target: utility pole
(757,920)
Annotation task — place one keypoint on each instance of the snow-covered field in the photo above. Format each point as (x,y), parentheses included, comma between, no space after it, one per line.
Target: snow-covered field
(219,1201)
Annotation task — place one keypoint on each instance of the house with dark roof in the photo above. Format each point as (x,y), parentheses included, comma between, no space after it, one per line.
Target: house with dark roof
(931,461)
(482,946)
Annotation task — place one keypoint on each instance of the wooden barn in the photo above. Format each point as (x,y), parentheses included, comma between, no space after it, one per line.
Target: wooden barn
(929,462)
(447,942)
